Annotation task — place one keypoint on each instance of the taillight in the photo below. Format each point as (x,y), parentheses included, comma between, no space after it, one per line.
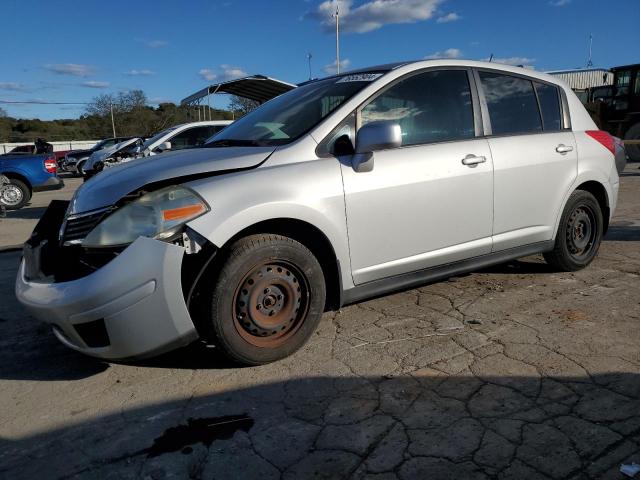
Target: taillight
(603,138)
(50,165)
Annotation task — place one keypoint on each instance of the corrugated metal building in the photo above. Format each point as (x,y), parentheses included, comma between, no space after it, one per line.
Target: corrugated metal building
(583,79)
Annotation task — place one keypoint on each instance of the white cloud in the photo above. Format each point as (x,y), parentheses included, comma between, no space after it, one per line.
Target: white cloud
(448,53)
(373,14)
(95,84)
(156,43)
(514,61)
(229,72)
(74,69)
(13,86)
(224,73)
(559,3)
(159,100)
(332,67)
(449,17)
(139,73)
(207,74)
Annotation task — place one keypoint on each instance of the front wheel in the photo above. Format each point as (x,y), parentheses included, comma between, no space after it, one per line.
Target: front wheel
(579,233)
(268,299)
(15,194)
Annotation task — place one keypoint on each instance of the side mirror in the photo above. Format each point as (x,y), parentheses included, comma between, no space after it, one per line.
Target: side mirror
(164,146)
(375,136)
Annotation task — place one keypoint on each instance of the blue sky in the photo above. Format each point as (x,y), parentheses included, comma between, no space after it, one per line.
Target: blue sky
(72,50)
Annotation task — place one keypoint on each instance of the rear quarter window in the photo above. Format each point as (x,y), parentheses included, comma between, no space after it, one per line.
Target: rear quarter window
(549,99)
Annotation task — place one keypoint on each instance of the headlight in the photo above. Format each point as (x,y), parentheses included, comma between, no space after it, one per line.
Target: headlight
(158,214)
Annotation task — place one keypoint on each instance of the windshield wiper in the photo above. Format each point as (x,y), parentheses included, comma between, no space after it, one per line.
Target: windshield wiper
(231,142)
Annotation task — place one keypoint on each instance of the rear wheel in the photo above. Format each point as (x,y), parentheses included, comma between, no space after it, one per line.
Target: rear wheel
(633,150)
(579,233)
(15,194)
(268,299)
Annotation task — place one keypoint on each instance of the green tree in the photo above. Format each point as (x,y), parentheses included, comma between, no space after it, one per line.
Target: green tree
(241,106)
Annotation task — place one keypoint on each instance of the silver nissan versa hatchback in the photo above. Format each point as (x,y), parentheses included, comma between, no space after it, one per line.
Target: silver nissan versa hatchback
(342,189)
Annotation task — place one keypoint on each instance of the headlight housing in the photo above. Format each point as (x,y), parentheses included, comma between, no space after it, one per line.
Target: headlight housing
(158,214)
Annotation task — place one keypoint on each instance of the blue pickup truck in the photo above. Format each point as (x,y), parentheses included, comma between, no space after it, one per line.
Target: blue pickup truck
(27,173)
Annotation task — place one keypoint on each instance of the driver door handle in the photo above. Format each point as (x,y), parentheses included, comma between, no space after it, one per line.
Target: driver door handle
(564,149)
(473,160)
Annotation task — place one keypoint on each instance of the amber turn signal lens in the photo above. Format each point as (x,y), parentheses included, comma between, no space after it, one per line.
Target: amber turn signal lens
(182,212)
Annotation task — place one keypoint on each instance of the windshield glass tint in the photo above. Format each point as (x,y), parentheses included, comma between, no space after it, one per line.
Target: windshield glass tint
(292,114)
(157,137)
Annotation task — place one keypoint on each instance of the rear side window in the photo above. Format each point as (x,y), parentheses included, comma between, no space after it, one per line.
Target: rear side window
(549,99)
(430,107)
(512,104)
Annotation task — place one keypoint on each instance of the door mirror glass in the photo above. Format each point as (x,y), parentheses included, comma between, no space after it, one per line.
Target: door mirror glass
(379,135)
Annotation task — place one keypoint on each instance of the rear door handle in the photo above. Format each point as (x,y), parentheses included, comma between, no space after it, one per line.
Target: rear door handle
(564,149)
(473,161)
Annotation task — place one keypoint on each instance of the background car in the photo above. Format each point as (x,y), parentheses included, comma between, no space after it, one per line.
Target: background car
(27,173)
(126,149)
(186,135)
(74,160)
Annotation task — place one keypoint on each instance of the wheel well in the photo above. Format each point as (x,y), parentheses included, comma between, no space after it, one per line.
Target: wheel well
(597,190)
(312,238)
(17,176)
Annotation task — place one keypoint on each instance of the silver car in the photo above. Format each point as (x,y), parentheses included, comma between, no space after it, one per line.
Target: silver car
(342,189)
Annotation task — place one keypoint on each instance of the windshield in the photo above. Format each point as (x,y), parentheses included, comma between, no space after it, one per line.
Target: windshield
(291,115)
(157,137)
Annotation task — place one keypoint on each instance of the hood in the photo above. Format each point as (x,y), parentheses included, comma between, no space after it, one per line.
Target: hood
(112,184)
(107,152)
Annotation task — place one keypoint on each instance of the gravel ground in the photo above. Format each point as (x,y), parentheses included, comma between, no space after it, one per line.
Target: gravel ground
(516,372)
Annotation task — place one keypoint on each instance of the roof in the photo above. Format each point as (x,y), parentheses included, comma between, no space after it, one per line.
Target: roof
(255,87)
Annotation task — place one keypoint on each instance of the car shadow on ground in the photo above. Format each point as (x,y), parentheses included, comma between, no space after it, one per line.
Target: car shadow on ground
(623,233)
(413,426)
(27,213)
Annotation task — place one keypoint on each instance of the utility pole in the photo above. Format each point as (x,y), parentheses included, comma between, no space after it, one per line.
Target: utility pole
(113,123)
(309,60)
(338,36)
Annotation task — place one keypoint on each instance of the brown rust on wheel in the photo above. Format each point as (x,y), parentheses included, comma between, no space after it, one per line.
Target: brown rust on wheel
(270,303)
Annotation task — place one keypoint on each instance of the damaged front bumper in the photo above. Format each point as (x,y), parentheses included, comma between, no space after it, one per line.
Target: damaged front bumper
(132,307)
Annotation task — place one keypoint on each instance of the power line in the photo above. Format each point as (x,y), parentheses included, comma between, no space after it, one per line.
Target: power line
(38,102)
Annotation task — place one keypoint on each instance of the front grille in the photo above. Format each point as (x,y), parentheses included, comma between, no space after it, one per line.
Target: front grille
(77,228)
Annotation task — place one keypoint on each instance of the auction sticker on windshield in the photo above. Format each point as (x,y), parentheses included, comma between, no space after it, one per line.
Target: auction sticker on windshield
(360,77)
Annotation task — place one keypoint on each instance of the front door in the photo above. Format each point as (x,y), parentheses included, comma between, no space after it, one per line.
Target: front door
(429,202)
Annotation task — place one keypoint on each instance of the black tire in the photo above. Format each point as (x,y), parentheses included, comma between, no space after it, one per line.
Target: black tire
(267,301)
(633,150)
(579,233)
(15,195)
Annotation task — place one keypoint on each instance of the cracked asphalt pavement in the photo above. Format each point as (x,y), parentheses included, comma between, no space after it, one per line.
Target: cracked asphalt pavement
(513,372)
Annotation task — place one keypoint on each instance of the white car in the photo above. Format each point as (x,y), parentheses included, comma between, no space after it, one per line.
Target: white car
(178,137)
(341,189)
(182,136)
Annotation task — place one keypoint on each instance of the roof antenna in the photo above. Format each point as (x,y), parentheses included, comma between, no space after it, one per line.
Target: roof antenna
(589,62)
(491,57)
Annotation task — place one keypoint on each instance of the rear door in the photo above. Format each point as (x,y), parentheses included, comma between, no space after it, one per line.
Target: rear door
(534,156)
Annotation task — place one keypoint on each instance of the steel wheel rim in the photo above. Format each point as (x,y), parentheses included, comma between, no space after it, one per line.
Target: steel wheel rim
(11,195)
(581,232)
(270,303)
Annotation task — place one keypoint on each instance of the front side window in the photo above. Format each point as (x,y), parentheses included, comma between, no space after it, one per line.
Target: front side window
(623,79)
(430,107)
(549,99)
(512,104)
(190,137)
(290,115)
